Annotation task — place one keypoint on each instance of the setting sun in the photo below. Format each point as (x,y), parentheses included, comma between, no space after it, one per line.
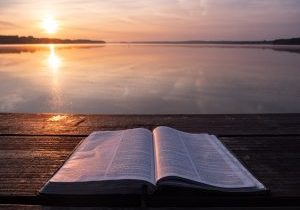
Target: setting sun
(50,25)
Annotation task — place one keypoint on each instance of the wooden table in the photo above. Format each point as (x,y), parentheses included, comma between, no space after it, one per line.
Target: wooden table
(34,146)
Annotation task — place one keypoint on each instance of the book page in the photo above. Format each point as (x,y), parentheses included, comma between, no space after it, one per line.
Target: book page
(111,155)
(172,157)
(198,157)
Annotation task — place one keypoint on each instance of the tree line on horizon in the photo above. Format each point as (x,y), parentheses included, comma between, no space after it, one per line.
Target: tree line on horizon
(32,40)
(4,39)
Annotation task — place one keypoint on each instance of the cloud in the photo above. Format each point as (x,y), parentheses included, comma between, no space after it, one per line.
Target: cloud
(171,19)
(7,24)
(193,7)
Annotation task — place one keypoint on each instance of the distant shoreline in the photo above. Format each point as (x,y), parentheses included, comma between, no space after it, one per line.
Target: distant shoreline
(32,40)
(292,41)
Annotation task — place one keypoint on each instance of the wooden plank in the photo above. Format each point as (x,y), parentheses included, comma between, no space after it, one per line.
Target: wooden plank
(26,166)
(28,162)
(33,147)
(274,160)
(20,207)
(36,207)
(223,125)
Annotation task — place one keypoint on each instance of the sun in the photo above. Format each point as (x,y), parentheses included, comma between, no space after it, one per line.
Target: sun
(50,25)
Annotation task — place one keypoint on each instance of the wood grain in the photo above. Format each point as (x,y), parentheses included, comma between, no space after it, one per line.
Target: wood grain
(34,146)
(49,124)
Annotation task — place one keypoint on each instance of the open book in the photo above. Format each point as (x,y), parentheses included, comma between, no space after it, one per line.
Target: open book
(124,162)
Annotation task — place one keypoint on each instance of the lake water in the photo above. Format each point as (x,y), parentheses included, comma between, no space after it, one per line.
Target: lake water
(149,79)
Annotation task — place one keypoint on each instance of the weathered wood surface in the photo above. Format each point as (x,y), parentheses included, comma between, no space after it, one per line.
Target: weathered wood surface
(33,147)
(28,162)
(31,207)
(48,124)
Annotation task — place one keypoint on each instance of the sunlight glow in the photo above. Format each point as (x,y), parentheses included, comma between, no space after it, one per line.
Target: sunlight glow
(50,25)
(57,118)
(53,60)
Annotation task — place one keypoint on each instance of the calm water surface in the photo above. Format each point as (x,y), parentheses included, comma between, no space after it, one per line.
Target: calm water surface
(149,79)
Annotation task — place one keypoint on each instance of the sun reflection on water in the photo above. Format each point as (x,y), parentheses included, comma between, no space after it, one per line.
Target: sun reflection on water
(54,61)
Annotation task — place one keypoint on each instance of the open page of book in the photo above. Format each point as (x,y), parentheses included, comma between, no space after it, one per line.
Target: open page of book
(111,155)
(199,157)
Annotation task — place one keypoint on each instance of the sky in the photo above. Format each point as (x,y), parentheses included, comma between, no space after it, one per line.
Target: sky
(142,20)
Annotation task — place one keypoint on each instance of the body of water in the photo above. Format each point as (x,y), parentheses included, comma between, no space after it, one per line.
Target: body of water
(149,79)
